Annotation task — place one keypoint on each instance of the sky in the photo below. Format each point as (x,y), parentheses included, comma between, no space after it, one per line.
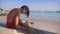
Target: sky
(34,5)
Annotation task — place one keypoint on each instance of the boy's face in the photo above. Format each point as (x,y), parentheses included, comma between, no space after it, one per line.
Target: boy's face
(24,11)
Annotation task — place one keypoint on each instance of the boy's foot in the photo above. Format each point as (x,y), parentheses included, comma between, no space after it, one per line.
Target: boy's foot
(31,22)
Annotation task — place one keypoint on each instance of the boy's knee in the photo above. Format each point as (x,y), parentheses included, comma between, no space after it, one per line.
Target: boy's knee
(29,24)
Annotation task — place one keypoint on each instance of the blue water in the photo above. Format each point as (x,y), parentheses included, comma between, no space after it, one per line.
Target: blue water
(49,15)
(45,15)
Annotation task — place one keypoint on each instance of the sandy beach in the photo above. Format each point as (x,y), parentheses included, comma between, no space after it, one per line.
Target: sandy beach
(40,27)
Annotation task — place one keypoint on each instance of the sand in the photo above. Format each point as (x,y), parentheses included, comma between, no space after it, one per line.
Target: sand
(40,27)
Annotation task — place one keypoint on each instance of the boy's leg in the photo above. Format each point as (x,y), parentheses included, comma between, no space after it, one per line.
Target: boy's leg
(28,27)
(23,28)
(27,24)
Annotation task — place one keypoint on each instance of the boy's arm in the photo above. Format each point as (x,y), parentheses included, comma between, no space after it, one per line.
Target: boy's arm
(17,21)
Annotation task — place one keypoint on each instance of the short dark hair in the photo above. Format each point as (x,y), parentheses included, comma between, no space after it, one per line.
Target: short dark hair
(26,7)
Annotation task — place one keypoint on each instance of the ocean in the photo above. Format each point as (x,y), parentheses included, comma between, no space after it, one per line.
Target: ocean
(42,15)
(47,16)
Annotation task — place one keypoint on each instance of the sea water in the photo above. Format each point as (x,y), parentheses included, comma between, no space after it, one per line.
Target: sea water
(49,15)
(41,15)
(46,15)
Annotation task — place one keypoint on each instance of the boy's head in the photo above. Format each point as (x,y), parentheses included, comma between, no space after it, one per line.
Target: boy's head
(25,10)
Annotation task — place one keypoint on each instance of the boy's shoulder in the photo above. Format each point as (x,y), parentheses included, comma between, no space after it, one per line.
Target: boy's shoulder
(15,9)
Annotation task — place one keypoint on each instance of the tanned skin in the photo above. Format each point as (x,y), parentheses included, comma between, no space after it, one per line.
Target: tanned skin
(13,16)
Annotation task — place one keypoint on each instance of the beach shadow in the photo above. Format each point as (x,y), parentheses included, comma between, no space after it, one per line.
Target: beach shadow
(36,31)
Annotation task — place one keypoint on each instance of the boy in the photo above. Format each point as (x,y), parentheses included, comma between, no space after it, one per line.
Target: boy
(14,21)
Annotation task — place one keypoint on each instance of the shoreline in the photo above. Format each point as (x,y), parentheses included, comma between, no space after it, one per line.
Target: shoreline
(3,18)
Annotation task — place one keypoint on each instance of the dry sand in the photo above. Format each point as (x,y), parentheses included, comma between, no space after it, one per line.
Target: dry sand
(40,27)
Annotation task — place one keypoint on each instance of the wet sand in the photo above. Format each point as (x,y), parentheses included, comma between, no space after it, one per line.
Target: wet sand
(40,27)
